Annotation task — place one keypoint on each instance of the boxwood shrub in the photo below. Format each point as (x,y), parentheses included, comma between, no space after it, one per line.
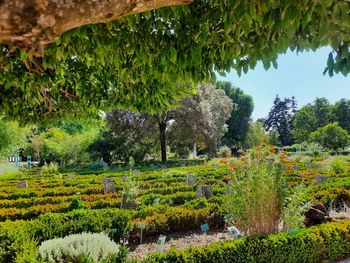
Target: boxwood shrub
(324,243)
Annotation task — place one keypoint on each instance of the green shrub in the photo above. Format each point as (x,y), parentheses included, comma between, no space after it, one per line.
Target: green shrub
(224,152)
(313,149)
(50,225)
(85,247)
(260,200)
(325,243)
(331,136)
(76,203)
(51,168)
(197,203)
(338,165)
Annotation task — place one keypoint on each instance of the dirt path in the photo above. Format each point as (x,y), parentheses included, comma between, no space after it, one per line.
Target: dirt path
(180,240)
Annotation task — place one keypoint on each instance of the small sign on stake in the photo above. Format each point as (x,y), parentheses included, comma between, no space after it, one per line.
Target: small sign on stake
(109,188)
(156,201)
(160,243)
(70,177)
(22,184)
(191,180)
(136,172)
(234,232)
(106,180)
(124,179)
(142,226)
(205,229)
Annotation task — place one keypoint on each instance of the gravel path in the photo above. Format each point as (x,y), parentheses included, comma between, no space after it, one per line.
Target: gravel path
(180,240)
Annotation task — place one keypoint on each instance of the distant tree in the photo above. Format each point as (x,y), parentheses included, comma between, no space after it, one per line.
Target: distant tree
(200,121)
(56,145)
(12,137)
(331,136)
(238,123)
(311,117)
(280,119)
(341,112)
(323,111)
(131,134)
(305,122)
(255,136)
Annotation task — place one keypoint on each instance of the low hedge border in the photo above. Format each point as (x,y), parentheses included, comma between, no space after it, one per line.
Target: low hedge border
(325,243)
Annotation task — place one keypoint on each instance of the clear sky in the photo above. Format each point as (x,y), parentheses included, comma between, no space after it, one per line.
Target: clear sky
(299,75)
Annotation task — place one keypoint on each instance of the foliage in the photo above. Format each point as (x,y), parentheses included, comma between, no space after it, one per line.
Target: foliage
(51,225)
(51,168)
(76,203)
(144,61)
(224,152)
(200,121)
(331,137)
(238,123)
(256,136)
(311,117)
(341,112)
(98,166)
(280,119)
(260,200)
(338,165)
(84,247)
(12,138)
(129,134)
(313,149)
(56,145)
(325,243)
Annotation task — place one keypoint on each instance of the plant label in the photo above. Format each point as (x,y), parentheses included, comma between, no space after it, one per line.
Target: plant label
(228,188)
(124,179)
(106,180)
(204,191)
(234,231)
(22,184)
(136,172)
(191,180)
(109,188)
(142,225)
(70,177)
(205,227)
(293,231)
(160,243)
(320,179)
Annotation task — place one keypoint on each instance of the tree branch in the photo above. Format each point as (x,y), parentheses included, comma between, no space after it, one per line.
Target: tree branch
(33,24)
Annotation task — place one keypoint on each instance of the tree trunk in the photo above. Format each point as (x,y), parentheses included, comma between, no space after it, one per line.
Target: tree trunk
(194,154)
(162,138)
(33,24)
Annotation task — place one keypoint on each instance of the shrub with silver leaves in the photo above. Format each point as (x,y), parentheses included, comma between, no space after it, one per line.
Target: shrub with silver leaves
(73,248)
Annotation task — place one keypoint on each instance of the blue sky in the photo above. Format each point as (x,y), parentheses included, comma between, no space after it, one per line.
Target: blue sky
(299,75)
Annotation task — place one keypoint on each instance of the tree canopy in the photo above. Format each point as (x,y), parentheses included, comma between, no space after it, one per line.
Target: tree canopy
(331,136)
(145,62)
(280,119)
(318,114)
(238,123)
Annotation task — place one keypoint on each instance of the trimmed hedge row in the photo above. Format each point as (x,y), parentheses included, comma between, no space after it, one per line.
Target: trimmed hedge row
(324,243)
(18,238)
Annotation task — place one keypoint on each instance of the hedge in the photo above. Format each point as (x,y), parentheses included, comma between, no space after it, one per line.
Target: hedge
(324,243)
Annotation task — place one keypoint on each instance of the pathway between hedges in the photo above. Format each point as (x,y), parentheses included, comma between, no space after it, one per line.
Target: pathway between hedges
(179,240)
(182,240)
